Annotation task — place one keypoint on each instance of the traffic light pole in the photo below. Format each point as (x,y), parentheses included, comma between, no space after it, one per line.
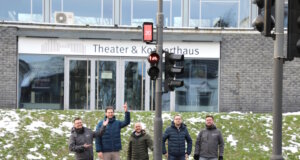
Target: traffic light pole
(278,60)
(158,89)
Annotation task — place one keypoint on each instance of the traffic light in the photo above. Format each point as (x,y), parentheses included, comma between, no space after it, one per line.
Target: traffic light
(153,71)
(171,70)
(293,48)
(265,21)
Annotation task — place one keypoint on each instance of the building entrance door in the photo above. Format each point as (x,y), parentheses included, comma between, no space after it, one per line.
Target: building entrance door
(89,83)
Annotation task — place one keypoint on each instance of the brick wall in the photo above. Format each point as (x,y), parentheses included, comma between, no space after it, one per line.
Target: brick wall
(246,69)
(8,67)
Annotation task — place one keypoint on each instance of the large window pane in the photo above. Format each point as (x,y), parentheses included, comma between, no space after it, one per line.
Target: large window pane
(41,81)
(144,11)
(245,13)
(200,90)
(79,84)
(15,10)
(135,85)
(93,12)
(217,14)
(135,12)
(194,13)
(105,84)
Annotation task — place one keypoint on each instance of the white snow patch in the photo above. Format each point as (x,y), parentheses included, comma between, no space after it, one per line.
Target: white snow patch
(39,156)
(196,120)
(226,117)
(231,140)
(264,148)
(10,122)
(66,124)
(57,131)
(8,156)
(291,113)
(47,146)
(33,149)
(166,116)
(7,146)
(293,149)
(35,125)
(236,112)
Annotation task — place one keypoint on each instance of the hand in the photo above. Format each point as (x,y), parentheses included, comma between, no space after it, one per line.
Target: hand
(220,157)
(105,122)
(125,107)
(166,155)
(87,145)
(196,157)
(186,156)
(100,155)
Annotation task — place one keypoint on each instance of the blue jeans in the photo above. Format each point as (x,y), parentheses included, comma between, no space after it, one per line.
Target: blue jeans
(170,157)
(203,158)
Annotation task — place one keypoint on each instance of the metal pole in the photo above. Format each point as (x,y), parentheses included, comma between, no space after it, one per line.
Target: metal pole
(277,81)
(158,90)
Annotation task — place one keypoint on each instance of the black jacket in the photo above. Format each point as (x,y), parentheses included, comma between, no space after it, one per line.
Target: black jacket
(176,140)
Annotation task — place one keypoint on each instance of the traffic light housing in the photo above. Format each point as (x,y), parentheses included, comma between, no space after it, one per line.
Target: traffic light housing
(293,42)
(265,21)
(171,70)
(153,59)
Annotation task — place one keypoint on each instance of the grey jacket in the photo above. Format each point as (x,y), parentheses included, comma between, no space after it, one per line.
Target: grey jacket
(210,143)
(77,140)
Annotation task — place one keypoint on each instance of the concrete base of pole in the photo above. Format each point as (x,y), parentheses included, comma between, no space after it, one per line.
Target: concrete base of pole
(276,157)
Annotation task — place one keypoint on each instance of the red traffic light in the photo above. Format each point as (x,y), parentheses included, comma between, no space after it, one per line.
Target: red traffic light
(153,58)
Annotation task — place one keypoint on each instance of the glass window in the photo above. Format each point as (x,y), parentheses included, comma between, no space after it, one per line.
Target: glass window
(135,85)
(41,81)
(105,84)
(16,10)
(200,90)
(220,13)
(79,83)
(135,12)
(216,14)
(244,14)
(93,12)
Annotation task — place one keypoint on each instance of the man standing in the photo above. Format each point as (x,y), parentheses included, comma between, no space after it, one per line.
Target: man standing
(139,143)
(177,134)
(209,144)
(81,140)
(109,145)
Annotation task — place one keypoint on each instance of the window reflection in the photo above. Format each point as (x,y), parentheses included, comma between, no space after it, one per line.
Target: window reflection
(200,90)
(41,81)
(105,84)
(219,13)
(135,12)
(94,12)
(135,85)
(23,11)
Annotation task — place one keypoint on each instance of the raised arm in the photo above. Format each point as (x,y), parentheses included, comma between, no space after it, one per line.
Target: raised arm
(127,117)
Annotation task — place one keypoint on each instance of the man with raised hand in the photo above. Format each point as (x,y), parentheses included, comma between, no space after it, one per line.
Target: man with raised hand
(109,145)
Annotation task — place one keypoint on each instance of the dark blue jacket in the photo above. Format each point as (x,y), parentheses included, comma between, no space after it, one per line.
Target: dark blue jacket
(111,139)
(176,140)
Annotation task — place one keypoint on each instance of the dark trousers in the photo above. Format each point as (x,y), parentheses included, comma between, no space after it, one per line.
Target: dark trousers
(170,157)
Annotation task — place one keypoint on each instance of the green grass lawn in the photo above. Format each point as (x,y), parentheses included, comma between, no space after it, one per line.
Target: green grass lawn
(43,134)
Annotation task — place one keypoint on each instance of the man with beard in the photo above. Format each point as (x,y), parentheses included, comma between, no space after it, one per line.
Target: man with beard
(81,140)
(209,144)
(109,145)
(139,143)
(177,134)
